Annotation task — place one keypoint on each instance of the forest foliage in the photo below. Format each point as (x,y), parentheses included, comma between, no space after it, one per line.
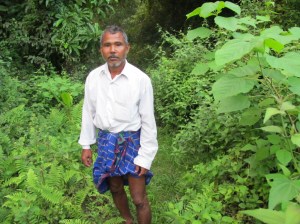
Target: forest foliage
(226,95)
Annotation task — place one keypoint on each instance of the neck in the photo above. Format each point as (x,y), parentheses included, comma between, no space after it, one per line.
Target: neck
(115,71)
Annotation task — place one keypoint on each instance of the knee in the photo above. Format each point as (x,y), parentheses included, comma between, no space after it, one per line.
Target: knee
(140,201)
(117,189)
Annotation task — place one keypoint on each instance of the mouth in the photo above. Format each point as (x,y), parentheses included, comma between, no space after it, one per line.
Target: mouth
(113,58)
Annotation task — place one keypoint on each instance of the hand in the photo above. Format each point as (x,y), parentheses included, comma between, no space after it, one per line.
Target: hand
(140,170)
(87,157)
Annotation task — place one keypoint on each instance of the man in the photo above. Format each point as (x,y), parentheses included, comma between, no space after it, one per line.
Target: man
(118,103)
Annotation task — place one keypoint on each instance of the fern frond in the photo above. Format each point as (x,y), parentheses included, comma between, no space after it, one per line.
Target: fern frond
(81,195)
(77,112)
(15,180)
(51,195)
(21,165)
(32,181)
(74,221)
(57,118)
(55,177)
(71,174)
(73,210)
(18,197)
(116,220)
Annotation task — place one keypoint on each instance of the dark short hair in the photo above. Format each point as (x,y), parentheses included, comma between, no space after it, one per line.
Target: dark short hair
(114,29)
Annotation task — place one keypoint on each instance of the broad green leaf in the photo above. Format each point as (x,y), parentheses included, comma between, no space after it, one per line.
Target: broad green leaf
(233,50)
(67,99)
(243,36)
(208,8)
(294,83)
(234,7)
(286,106)
(249,147)
(214,67)
(247,70)
(200,69)
(248,21)
(271,32)
(266,215)
(289,63)
(296,139)
(272,128)
(263,18)
(274,139)
(195,12)
(274,44)
(262,153)
(266,102)
(284,156)
(283,190)
(285,170)
(295,31)
(292,214)
(201,32)
(276,75)
(285,39)
(271,112)
(228,23)
(250,116)
(230,85)
(233,103)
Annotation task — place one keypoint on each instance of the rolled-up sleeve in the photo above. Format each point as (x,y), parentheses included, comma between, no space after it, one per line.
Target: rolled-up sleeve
(149,145)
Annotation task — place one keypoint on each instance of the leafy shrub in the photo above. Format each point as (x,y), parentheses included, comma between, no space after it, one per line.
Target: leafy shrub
(215,191)
(11,91)
(176,89)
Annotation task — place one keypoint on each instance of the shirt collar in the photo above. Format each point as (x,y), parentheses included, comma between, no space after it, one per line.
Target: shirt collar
(125,70)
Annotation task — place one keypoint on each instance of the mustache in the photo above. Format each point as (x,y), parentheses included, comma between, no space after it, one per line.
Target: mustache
(113,56)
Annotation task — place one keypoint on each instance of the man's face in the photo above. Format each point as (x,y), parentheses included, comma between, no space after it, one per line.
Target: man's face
(114,49)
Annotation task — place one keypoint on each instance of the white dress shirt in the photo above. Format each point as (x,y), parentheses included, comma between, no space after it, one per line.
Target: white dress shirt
(124,103)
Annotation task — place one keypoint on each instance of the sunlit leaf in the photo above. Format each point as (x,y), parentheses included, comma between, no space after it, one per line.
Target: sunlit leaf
(272,128)
(296,139)
(230,85)
(201,32)
(266,215)
(283,156)
(289,63)
(228,23)
(271,112)
(208,8)
(292,214)
(200,68)
(234,7)
(195,12)
(283,190)
(274,44)
(294,83)
(295,31)
(233,50)
(233,103)
(250,116)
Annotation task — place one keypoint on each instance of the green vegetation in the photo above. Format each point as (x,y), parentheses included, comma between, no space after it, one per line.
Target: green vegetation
(227,106)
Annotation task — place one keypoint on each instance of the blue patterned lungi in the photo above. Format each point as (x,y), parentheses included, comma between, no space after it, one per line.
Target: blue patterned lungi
(116,152)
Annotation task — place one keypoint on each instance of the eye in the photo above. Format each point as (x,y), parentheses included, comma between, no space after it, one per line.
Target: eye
(106,44)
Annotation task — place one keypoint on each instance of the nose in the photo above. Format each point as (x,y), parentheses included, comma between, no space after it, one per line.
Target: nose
(112,48)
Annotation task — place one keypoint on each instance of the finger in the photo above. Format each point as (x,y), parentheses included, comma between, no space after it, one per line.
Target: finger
(137,169)
(143,171)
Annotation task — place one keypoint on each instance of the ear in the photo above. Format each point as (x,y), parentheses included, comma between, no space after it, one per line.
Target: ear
(128,48)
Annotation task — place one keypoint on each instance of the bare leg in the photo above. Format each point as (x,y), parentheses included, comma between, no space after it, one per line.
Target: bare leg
(120,198)
(138,193)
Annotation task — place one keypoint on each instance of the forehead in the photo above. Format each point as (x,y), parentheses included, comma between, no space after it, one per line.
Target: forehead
(112,37)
